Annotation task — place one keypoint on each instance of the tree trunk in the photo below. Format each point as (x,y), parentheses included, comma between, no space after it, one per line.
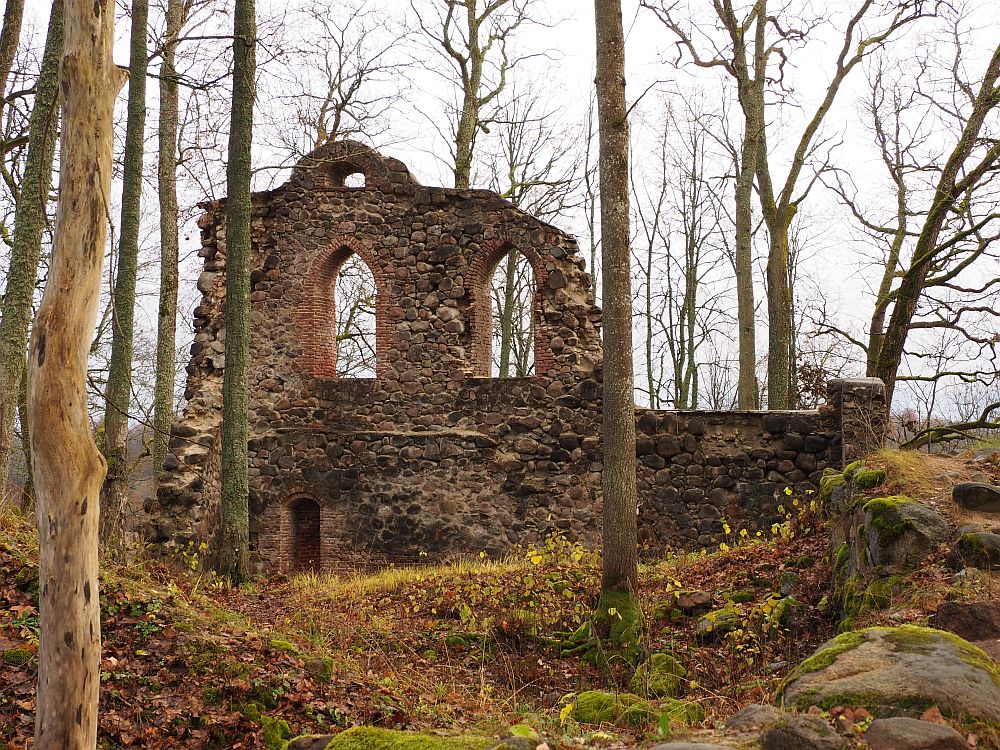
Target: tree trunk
(468,120)
(69,469)
(233,553)
(779,314)
(9,38)
(114,499)
(166,176)
(28,490)
(29,222)
(620,567)
(507,313)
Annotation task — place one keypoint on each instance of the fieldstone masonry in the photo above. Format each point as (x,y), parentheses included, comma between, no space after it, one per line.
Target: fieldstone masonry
(433,458)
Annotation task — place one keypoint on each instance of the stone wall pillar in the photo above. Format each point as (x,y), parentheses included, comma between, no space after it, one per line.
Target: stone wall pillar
(861,415)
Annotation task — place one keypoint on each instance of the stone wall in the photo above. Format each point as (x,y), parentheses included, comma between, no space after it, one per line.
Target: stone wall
(432,458)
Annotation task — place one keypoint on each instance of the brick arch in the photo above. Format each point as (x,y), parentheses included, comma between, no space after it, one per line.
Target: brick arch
(317,312)
(481,269)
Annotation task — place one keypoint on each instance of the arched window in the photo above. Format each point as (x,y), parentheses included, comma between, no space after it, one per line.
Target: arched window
(354,313)
(341,328)
(306,554)
(506,316)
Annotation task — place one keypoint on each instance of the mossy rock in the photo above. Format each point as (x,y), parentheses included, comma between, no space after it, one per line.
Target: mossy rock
(660,677)
(620,709)
(976,549)
(782,614)
(900,532)
(716,624)
(321,667)
(276,733)
(18,657)
(280,644)
(372,738)
(868,479)
(683,712)
(827,484)
(742,597)
(852,468)
(898,671)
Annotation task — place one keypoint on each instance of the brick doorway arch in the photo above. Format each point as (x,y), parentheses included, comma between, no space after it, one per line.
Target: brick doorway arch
(317,311)
(305,537)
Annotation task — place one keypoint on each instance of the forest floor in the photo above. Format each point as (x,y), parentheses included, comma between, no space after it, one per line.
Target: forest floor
(457,648)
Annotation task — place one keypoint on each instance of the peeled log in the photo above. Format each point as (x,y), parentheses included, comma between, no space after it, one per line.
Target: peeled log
(68,468)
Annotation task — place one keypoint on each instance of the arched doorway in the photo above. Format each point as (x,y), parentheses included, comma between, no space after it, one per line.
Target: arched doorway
(306,553)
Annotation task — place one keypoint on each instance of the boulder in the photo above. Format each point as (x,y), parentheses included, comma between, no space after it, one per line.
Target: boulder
(717,624)
(623,709)
(973,621)
(902,733)
(692,746)
(896,672)
(899,532)
(976,549)
(977,496)
(755,716)
(801,733)
(372,738)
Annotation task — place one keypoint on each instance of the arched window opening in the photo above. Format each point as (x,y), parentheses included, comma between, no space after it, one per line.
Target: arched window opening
(305,535)
(512,297)
(354,319)
(356,180)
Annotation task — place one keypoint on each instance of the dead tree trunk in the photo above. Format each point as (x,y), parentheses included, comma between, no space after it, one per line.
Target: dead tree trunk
(68,467)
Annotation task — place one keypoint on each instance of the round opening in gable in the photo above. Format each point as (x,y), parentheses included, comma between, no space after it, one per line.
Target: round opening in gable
(355,180)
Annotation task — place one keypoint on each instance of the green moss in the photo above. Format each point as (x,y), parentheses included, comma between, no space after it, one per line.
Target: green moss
(828,484)
(279,644)
(598,707)
(852,468)
(742,597)
(276,733)
(454,641)
(717,623)
(916,638)
(321,667)
(879,704)
(884,518)
(866,479)
(660,677)
(970,544)
(252,710)
(17,657)
(828,654)
(781,613)
(371,738)
(841,557)
(684,712)
(620,617)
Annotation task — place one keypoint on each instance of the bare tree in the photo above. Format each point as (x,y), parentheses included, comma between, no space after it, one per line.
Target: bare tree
(943,226)
(476,37)
(758,69)
(68,467)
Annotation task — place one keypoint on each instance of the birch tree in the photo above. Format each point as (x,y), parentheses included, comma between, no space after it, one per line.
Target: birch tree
(68,467)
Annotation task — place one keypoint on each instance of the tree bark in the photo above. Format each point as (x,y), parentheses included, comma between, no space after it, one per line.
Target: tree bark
(114,499)
(166,176)
(69,469)
(28,490)
(233,553)
(10,35)
(620,555)
(29,223)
